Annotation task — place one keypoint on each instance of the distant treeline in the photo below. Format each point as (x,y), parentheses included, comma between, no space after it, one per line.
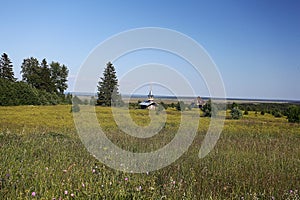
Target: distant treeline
(275,109)
(41,84)
(266,107)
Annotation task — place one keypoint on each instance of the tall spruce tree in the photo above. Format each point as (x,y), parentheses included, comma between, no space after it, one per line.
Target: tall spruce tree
(46,82)
(108,94)
(6,68)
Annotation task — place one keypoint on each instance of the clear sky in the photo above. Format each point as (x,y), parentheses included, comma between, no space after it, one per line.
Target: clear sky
(255,44)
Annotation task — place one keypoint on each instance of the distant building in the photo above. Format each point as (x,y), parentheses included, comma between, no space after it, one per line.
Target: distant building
(200,102)
(149,104)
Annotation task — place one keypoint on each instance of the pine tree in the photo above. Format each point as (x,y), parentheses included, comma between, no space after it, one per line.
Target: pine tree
(108,94)
(6,68)
(46,82)
(207,109)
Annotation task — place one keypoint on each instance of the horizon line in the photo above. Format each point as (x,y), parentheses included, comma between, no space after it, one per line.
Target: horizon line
(191,97)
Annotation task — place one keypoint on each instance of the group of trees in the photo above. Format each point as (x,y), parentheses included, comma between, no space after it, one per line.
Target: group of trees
(50,78)
(291,111)
(276,109)
(41,84)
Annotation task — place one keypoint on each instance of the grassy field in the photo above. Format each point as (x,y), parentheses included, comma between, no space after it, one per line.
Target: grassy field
(42,157)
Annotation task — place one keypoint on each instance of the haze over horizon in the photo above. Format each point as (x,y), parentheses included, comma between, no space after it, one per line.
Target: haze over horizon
(254,44)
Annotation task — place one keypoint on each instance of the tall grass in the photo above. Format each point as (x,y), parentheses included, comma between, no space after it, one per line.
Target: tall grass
(42,157)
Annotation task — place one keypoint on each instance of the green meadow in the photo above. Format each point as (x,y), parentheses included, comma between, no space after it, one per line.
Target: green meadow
(42,157)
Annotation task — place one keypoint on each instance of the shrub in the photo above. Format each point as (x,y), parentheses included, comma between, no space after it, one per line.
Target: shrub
(234,105)
(209,109)
(206,108)
(17,93)
(236,113)
(180,106)
(20,93)
(75,108)
(262,112)
(276,113)
(163,104)
(293,114)
(160,108)
(68,98)
(93,101)
(77,100)
(246,112)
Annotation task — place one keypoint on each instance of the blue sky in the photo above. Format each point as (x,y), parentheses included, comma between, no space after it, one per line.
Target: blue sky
(255,44)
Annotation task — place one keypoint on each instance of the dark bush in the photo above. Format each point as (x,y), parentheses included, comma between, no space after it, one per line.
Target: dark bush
(180,106)
(93,101)
(20,93)
(293,114)
(277,114)
(76,100)
(163,104)
(75,108)
(159,109)
(209,109)
(236,113)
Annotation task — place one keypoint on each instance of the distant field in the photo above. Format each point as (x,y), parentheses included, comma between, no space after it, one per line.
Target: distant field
(42,157)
